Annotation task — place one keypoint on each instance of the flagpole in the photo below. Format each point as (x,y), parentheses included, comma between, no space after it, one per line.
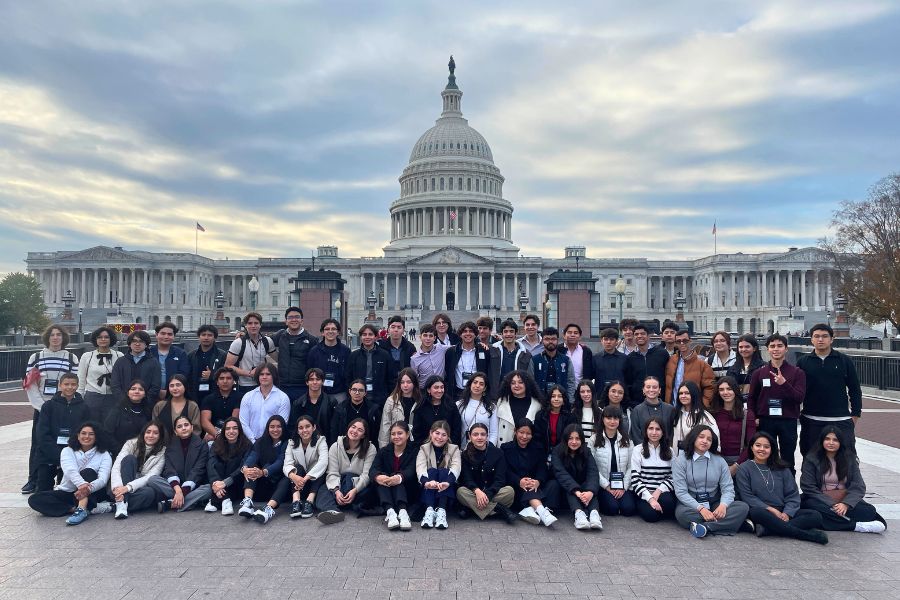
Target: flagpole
(196,239)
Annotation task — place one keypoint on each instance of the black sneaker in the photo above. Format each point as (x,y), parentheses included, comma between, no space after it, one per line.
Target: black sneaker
(463,513)
(507,515)
(29,488)
(296,509)
(163,506)
(307,511)
(748,526)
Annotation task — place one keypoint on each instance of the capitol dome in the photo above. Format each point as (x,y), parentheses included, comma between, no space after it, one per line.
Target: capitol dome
(451,192)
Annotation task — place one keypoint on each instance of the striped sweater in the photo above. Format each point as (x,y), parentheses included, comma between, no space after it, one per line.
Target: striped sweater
(51,366)
(648,474)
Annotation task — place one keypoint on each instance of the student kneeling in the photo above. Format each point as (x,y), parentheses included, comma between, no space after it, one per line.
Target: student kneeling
(482,485)
(704,487)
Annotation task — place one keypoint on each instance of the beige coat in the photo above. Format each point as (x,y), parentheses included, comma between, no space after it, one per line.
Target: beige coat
(338,464)
(314,459)
(426,460)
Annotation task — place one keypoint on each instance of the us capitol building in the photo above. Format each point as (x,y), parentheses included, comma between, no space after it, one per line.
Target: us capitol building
(451,248)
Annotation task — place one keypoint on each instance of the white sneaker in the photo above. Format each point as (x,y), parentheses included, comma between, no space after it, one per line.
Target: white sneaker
(595,521)
(121,510)
(403,517)
(391,519)
(529,515)
(870,527)
(210,507)
(227,507)
(546,516)
(264,514)
(428,519)
(581,520)
(440,519)
(102,508)
(246,508)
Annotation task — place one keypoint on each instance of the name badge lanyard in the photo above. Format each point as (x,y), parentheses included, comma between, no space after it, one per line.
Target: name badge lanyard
(705,494)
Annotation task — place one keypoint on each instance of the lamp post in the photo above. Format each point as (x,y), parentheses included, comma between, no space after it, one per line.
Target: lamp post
(791,308)
(679,309)
(253,286)
(620,292)
(118,306)
(841,324)
(80,330)
(220,322)
(68,300)
(548,306)
(828,316)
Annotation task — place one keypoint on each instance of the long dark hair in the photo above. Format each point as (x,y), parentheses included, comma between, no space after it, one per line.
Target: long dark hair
(126,401)
(665,442)
(470,450)
(141,452)
(225,450)
(396,395)
(696,409)
(101,442)
(184,382)
(842,457)
(578,410)
(774,461)
(432,379)
(611,412)
(486,401)
(573,462)
(545,401)
(603,401)
(363,442)
(531,388)
(267,436)
(295,436)
(756,357)
(717,404)
(691,438)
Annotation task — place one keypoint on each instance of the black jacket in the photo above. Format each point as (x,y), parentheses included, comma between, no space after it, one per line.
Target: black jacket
(638,367)
(213,359)
(407,349)
(608,367)
(580,475)
(356,369)
(292,353)
(384,464)
(327,404)
(147,370)
(495,378)
(736,369)
(122,423)
(451,361)
(483,469)
(343,413)
(186,468)
(542,428)
(59,418)
(530,461)
(227,470)
(587,360)
(425,415)
(832,386)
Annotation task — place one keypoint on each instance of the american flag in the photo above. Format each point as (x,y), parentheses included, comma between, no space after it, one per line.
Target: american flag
(200,227)
(714,228)
(452,215)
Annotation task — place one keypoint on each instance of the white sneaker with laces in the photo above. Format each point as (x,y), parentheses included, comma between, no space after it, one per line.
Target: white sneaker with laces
(428,519)
(391,519)
(121,510)
(102,508)
(210,507)
(403,517)
(529,515)
(547,517)
(264,514)
(246,508)
(581,520)
(595,521)
(227,507)
(440,519)
(870,527)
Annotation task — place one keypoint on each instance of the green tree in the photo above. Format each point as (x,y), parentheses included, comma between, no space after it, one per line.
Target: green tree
(22,304)
(865,249)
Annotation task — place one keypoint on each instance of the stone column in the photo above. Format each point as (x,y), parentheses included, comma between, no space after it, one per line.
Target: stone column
(408,288)
(504,304)
(777,289)
(421,301)
(443,289)
(431,301)
(82,301)
(458,296)
(493,282)
(804,300)
(790,286)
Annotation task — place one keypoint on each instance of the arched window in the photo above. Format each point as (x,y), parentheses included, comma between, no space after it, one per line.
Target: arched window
(457,145)
(442,184)
(465,146)
(469,184)
(432,184)
(476,185)
(417,186)
(450,181)
(459,181)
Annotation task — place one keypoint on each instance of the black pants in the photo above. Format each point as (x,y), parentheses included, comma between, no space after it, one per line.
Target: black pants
(667,501)
(58,503)
(141,498)
(264,488)
(785,433)
(575,503)
(398,496)
(284,491)
(327,501)
(831,521)
(33,453)
(47,476)
(548,493)
(612,506)
(797,527)
(810,430)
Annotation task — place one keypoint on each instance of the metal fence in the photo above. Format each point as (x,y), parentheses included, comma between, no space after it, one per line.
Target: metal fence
(882,372)
(850,343)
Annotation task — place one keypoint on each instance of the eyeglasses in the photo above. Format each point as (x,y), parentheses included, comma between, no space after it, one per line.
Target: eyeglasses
(330,329)
(293,317)
(440,322)
(358,390)
(682,342)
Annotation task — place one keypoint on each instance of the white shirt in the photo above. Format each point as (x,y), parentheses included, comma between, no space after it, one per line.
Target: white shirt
(256,410)
(576,356)
(466,364)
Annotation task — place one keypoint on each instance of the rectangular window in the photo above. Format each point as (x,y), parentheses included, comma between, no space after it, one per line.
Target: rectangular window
(275,298)
(275,281)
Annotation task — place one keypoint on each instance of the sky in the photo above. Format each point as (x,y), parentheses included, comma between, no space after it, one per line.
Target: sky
(629,128)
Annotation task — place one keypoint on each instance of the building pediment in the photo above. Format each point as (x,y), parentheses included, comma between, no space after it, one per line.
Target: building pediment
(96,253)
(448,257)
(802,255)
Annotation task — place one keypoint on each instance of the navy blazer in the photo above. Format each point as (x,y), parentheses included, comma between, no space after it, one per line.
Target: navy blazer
(176,362)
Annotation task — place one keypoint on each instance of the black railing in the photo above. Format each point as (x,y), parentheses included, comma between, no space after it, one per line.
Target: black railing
(852,343)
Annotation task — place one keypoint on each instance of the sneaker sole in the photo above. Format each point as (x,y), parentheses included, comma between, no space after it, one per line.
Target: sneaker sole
(307,516)
(296,515)
(245,514)
(330,518)
(261,519)
(532,520)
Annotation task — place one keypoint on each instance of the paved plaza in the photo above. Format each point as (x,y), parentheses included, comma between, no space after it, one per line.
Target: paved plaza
(198,555)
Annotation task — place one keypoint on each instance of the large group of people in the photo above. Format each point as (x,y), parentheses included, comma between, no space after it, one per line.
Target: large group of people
(469,425)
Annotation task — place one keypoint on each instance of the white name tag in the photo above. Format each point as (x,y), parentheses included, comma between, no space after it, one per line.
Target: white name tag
(369,387)
(767,382)
(481,356)
(203,387)
(330,383)
(62,440)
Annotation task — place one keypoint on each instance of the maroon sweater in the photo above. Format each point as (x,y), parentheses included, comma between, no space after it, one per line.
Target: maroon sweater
(791,392)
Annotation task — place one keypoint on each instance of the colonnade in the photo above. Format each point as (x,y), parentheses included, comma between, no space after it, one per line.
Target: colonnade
(451,220)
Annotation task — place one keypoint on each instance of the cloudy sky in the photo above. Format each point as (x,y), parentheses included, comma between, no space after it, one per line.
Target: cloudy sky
(627,127)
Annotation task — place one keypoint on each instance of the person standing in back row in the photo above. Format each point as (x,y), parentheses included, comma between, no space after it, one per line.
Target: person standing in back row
(293,345)
(172,359)
(248,352)
(833,394)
